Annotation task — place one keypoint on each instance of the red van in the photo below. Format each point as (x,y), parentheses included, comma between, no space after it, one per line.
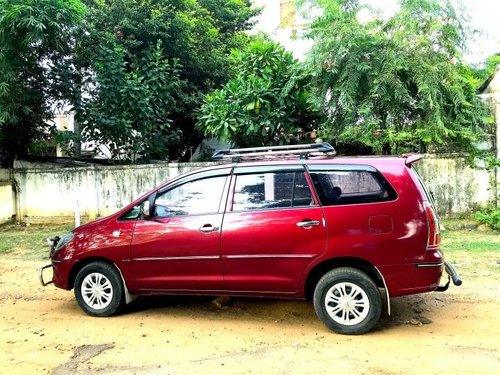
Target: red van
(286,222)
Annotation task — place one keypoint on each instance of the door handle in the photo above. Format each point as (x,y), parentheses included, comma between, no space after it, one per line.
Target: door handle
(307,223)
(208,228)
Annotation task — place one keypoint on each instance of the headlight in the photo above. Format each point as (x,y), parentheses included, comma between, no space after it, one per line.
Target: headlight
(64,240)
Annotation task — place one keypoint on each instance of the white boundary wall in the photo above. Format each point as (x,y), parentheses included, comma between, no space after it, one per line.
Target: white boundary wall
(41,192)
(54,193)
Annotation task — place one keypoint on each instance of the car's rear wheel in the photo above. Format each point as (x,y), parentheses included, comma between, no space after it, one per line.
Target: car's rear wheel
(99,289)
(347,301)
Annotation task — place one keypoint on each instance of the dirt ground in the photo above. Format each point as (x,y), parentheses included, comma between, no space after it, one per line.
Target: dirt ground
(44,331)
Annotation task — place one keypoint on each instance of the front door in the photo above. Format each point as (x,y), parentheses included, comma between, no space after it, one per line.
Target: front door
(178,248)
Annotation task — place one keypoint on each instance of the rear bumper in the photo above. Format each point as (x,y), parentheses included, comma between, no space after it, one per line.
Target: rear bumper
(404,279)
(418,278)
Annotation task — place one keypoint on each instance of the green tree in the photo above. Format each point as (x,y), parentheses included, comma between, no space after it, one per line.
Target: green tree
(484,71)
(394,85)
(266,102)
(130,106)
(34,36)
(199,34)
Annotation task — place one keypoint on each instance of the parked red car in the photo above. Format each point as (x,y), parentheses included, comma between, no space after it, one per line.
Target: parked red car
(335,230)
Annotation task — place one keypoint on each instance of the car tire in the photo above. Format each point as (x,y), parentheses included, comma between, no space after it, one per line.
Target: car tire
(347,301)
(99,289)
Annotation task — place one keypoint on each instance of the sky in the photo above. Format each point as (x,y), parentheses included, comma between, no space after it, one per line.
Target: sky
(484,16)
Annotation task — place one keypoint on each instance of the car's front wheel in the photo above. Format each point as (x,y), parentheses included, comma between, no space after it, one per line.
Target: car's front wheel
(347,301)
(99,289)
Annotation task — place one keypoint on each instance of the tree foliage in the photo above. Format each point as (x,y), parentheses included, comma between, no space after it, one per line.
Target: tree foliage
(394,85)
(483,72)
(266,102)
(130,105)
(197,35)
(34,36)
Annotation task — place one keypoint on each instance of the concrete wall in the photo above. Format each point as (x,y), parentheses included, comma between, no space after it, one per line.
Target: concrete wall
(6,201)
(55,193)
(52,193)
(457,188)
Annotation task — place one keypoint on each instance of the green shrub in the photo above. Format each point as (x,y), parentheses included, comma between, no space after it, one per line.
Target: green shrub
(489,216)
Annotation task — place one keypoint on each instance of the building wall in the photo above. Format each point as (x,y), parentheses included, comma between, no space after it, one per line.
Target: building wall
(50,194)
(283,24)
(491,94)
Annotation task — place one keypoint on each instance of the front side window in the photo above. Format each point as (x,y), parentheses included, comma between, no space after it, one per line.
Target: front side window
(191,198)
(351,187)
(271,190)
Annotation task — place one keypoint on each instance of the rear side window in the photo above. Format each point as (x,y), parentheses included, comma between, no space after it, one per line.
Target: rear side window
(271,190)
(351,187)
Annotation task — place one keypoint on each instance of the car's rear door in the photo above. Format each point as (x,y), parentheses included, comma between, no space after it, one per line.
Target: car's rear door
(272,229)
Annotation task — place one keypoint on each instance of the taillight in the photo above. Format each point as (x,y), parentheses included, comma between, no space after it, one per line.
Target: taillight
(434,238)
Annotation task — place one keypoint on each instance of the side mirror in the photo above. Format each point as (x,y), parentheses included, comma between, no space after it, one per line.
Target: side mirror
(146,209)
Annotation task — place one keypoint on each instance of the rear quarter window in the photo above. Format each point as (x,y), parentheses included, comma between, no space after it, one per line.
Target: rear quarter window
(337,187)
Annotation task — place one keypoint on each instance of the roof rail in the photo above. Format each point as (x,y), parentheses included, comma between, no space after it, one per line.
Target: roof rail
(303,151)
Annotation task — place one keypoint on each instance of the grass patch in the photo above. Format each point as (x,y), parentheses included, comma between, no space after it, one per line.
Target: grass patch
(28,242)
(470,240)
(474,252)
(459,223)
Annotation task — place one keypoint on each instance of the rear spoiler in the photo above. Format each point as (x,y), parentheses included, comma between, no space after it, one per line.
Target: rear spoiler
(412,158)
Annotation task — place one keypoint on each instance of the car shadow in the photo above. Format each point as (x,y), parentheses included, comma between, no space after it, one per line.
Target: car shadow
(244,308)
(416,310)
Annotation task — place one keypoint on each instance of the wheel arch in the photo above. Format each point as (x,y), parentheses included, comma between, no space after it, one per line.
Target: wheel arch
(322,268)
(83,262)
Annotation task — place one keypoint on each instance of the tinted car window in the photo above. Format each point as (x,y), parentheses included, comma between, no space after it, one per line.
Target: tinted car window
(192,198)
(351,187)
(301,192)
(271,190)
(133,214)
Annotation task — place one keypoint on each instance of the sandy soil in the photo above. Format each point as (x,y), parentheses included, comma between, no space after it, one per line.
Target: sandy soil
(44,331)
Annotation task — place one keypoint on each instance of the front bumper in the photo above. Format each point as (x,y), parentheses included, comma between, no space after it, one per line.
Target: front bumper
(60,274)
(52,243)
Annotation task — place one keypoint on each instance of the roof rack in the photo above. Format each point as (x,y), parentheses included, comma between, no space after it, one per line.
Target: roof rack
(303,151)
